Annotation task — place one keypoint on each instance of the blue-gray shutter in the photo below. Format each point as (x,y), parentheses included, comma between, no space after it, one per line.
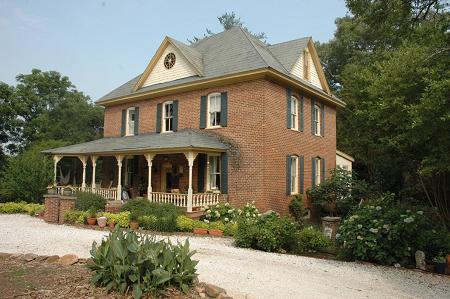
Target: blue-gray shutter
(175,116)
(288,175)
(288,110)
(322,176)
(136,121)
(322,120)
(224,174)
(223,109)
(124,120)
(302,175)
(313,167)
(201,166)
(302,100)
(203,112)
(312,116)
(158,117)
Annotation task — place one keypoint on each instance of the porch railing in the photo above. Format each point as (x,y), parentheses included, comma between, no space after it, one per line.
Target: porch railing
(181,200)
(108,193)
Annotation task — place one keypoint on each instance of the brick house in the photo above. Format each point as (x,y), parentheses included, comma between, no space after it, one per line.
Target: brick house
(227,118)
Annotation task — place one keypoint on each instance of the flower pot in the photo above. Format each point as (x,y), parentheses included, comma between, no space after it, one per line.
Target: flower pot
(111,225)
(134,224)
(440,268)
(51,191)
(101,221)
(91,221)
(67,192)
(200,231)
(215,232)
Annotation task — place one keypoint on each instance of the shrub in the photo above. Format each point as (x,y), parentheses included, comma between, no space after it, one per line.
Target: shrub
(122,218)
(74,216)
(296,208)
(125,261)
(185,224)
(230,229)
(160,224)
(220,212)
(217,225)
(200,224)
(20,207)
(310,239)
(85,201)
(386,232)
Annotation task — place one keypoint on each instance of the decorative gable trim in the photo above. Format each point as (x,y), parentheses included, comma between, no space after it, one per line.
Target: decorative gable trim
(318,66)
(151,65)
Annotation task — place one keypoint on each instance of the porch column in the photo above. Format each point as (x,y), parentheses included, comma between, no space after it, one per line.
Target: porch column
(119,159)
(190,156)
(149,158)
(94,164)
(83,160)
(56,159)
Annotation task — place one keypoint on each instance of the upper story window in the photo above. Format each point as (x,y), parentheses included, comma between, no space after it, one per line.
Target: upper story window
(316,120)
(214,110)
(317,166)
(306,65)
(167,120)
(294,174)
(131,119)
(294,113)
(214,172)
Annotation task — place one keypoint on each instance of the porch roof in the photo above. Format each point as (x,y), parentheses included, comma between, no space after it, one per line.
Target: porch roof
(154,142)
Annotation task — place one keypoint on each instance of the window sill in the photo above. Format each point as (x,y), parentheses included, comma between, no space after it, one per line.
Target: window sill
(317,135)
(295,130)
(129,135)
(295,193)
(164,132)
(214,127)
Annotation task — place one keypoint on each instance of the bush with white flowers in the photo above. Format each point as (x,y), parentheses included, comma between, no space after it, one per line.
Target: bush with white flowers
(227,214)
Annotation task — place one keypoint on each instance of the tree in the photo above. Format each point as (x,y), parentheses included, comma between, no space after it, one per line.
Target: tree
(229,20)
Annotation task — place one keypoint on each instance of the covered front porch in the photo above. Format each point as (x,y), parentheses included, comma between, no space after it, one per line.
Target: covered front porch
(186,168)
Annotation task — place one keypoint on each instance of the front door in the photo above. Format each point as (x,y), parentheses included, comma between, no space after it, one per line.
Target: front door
(166,177)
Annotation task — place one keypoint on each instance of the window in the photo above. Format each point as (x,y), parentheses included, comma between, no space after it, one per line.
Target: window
(168,117)
(306,65)
(294,113)
(316,120)
(131,118)
(317,162)
(294,174)
(214,172)
(214,110)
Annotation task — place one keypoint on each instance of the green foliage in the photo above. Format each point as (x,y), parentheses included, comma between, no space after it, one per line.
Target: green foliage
(386,232)
(268,233)
(230,229)
(88,201)
(185,224)
(160,224)
(122,218)
(75,216)
(20,207)
(28,174)
(310,239)
(126,261)
(220,212)
(296,208)
(200,224)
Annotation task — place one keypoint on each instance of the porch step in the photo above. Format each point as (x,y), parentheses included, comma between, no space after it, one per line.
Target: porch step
(195,214)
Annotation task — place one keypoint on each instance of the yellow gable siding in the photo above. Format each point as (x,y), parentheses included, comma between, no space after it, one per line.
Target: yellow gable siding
(297,70)
(160,74)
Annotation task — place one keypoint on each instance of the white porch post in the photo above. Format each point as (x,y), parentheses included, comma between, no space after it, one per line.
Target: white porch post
(56,159)
(83,160)
(119,159)
(149,158)
(94,164)
(190,156)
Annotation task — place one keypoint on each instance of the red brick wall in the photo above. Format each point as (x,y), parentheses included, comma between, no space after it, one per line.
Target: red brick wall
(257,127)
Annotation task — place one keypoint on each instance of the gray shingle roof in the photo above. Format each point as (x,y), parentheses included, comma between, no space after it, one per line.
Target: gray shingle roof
(188,138)
(229,52)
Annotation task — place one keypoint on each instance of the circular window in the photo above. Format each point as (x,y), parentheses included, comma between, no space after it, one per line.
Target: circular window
(169,61)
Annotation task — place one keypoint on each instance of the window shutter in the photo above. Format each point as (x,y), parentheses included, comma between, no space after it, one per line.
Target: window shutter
(288,175)
(322,120)
(313,167)
(201,163)
(302,176)
(312,116)
(288,110)
(136,121)
(224,174)
(203,112)
(322,165)
(302,100)
(158,117)
(175,116)
(124,120)
(223,109)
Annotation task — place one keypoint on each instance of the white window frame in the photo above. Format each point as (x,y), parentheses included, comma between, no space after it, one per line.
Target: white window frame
(306,68)
(294,174)
(128,131)
(317,120)
(169,117)
(318,165)
(217,171)
(216,96)
(294,113)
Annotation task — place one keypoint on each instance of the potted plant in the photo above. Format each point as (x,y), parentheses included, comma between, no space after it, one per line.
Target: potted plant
(91,220)
(67,191)
(51,190)
(134,223)
(200,228)
(440,262)
(101,221)
(216,228)
(111,224)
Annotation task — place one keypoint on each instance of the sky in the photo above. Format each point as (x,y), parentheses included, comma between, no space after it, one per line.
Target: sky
(101,44)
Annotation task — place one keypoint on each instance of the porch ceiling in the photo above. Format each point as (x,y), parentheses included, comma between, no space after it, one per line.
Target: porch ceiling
(165,142)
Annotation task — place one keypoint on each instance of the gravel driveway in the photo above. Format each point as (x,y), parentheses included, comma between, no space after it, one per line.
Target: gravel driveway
(243,273)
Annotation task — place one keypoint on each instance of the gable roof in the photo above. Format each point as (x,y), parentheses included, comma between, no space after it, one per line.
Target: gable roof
(230,53)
